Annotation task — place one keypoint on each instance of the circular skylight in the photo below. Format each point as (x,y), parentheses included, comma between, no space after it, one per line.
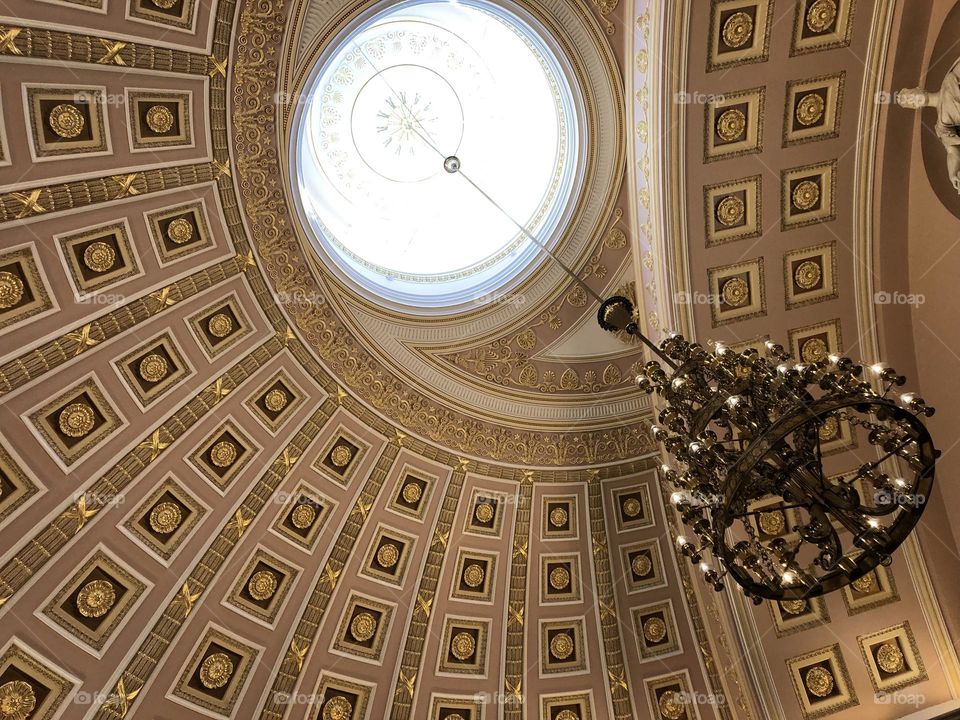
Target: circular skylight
(415,84)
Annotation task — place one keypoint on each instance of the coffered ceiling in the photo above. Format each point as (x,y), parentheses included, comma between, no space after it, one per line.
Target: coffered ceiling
(231,485)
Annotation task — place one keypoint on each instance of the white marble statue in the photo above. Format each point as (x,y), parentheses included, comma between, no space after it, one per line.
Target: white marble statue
(947,103)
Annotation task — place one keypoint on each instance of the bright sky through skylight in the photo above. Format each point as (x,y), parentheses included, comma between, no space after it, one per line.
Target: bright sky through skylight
(417,84)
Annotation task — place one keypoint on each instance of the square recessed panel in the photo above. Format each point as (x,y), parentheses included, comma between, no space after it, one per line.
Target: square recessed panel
(813,343)
(655,628)
(17,489)
(223,455)
(810,274)
(562,647)
(452,707)
(739,33)
(737,292)
(388,556)
(464,646)
(302,519)
(733,124)
(179,231)
(66,120)
(486,513)
(892,658)
(668,696)
(153,368)
(23,293)
(100,257)
(473,576)
(75,422)
(166,518)
(821,25)
(363,628)
(411,493)
(276,400)
(643,565)
(874,589)
(566,706)
(821,682)
(341,697)
(632,508)
(793,616)
(560,580)
(261,587)
(558,517)
(158,120)
(808,195)
(732,211)
(49,686)
(341,456)
(813,109)
(176,14)
(92,604)
(215,673)
(220,326)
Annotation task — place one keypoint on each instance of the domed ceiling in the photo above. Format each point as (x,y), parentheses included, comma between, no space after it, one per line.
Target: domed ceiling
(300,421)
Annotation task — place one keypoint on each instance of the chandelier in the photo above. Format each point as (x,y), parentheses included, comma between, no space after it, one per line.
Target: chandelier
(746,434)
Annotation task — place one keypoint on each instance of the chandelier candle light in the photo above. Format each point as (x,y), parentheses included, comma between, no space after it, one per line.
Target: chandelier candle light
(746,432)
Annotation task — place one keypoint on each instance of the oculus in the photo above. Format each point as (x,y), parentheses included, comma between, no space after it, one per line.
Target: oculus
(406,111)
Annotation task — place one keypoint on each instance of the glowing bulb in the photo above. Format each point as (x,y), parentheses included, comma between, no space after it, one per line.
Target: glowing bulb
(782,369)
(733,400)
(681,540)
(664,468)
(676,498)
(834,359)
(906,398)
(876,368)
(770,344)
(721,348)
(788,577)
(677,382)
(873,522)
(694,447)
(900,482)
(704,567)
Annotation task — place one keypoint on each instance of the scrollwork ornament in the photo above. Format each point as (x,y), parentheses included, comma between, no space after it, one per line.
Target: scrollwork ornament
(807,275)
(473,575)
(337,708)
(262,585)
(215,671)
(737,30)
(561,646)
(99,256)
(66,121)
(165,517)
(17,700)
(159,119)
(303,516)
(820,15)
(11,290)
(96,598)
(363,627)
(731,124)
(559,578)
(819,681)
(463,646)
(77,420)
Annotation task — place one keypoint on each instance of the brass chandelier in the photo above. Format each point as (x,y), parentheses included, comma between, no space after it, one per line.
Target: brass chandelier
(745,434)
